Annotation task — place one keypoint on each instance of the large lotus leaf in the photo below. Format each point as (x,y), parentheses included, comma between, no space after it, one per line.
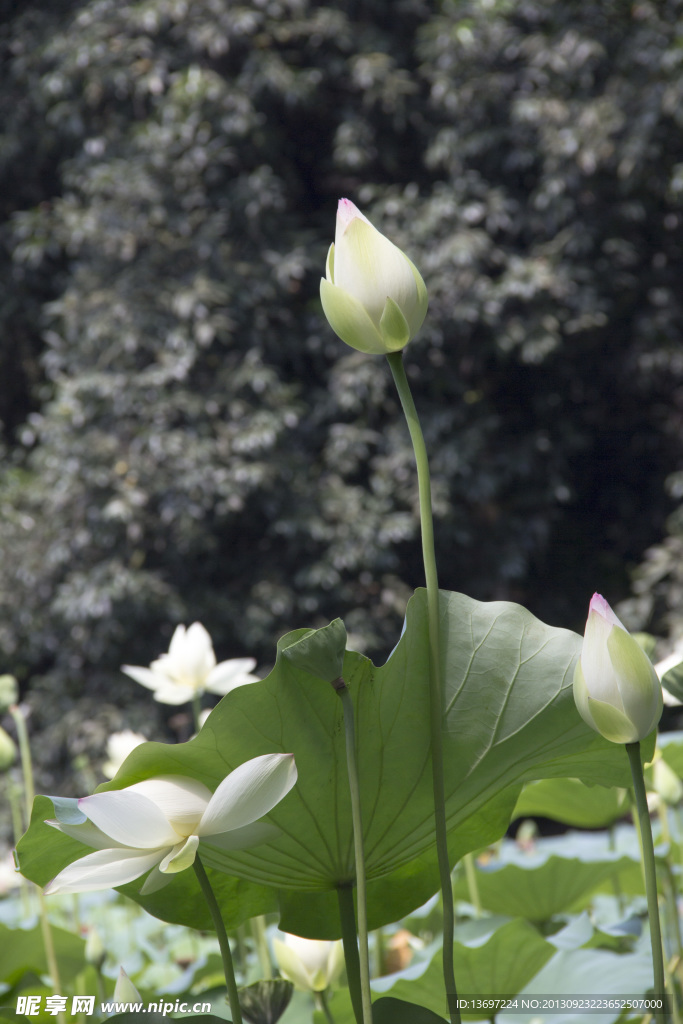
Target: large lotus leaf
(396,1011)
(496,965)
(572,802)
(509,703)
(673,681)
(577,974)
(542,889)
(671,745)
(23,952)
(509,716)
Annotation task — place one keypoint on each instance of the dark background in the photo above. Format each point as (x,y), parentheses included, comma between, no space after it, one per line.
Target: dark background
(184,438)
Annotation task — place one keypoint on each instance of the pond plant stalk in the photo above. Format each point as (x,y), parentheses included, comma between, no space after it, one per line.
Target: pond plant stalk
(648,855)
(365,1017)
(29,793)
(395,360)
(226,955)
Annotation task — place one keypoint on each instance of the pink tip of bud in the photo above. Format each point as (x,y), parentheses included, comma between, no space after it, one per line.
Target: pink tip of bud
(602,608)
(347,212)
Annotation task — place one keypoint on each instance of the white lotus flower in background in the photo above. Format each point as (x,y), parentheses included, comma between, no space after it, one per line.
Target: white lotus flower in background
(160,822)
(311,964)
(119,746)
(189,669)
(374,298)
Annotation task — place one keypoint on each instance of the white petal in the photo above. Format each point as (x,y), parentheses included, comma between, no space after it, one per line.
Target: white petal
(155,880)
(229,674)
(181,800)
(87,833)
(370,267)
(177,641)
(104,869)
(129,818)
(242,838)
(290,965)
(599,675)
(248,793)
(144,676)
(191,656)
(169,692)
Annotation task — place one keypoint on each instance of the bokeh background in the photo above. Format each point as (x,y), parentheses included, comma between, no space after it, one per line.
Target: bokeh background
(183,437)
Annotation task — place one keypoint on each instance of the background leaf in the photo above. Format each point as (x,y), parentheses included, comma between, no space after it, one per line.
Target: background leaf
(572,802)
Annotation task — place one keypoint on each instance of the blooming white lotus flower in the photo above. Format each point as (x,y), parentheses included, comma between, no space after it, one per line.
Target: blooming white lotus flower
(119,746)
(189,669)
(159,824)
(311,964)
(373,296)
(616,688)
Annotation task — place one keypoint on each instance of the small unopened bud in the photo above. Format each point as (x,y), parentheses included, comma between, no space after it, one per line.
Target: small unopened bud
(373,296)
(8,750)
(94,948)
(124,990)
(616,688)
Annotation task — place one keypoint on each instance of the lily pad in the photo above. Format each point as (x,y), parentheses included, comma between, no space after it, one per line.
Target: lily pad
(542,889)
(495,967)
(572,802)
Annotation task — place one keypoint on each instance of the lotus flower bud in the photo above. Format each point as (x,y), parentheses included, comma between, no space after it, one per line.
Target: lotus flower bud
(666,784)
(124,990)
(616,688)
(8,750)
(311,964)
(95,952)
(372,295)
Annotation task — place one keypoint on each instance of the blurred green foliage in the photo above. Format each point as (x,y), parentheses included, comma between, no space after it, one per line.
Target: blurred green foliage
(184,437)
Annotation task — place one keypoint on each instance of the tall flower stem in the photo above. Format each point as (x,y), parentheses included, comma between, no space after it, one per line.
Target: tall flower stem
(226,955)
(196,711)
(347,916)
(359,856)
(258,932)
(648,854)
(29,793)
(395,360)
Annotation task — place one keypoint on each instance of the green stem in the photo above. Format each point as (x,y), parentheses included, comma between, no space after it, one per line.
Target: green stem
(359,856)
(395,360)
(648,854)
(472,884)
(29,793)
(196,711)
(350,943)
(258,931)
(321,1003)
(228,969)
(379,953)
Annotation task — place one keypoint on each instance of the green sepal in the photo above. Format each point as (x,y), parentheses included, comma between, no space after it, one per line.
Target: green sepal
(611,723)
(422,300)
(640,689)
(394,327)
(349,319)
